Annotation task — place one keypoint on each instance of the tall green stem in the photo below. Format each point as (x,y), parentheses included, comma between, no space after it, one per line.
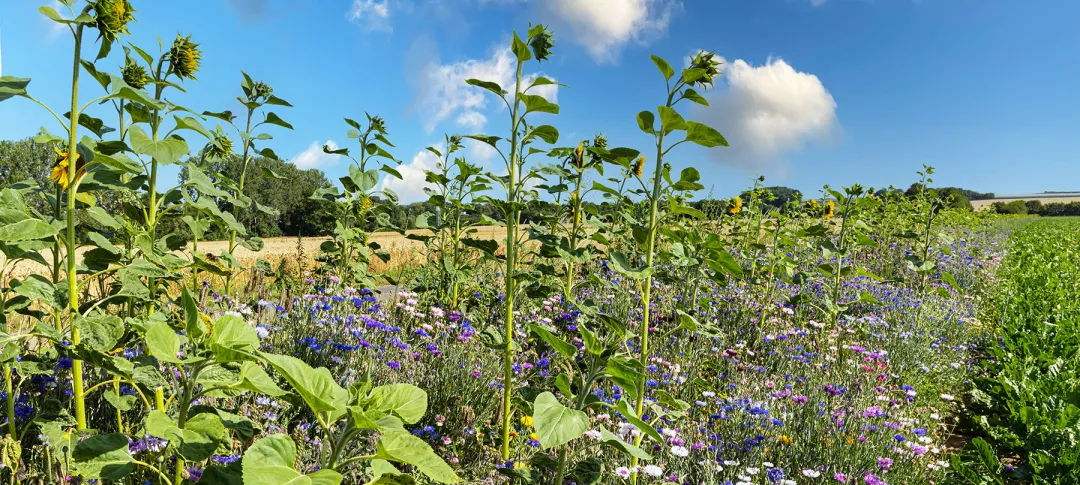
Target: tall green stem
(513,215)
(73,293)
(239,193)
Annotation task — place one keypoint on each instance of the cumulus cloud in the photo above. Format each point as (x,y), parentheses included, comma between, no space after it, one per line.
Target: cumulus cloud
(603,27)
(372,14)
(314,157)
(410,188)
(441,91)
(766,111)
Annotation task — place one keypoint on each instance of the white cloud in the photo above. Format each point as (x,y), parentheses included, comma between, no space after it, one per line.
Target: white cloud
(442,91)
(410,188)
(314,157)
(766,111)
(371,14)
(603,27)
(472,120)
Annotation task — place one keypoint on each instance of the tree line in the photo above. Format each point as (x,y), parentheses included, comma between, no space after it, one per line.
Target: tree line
(296,213)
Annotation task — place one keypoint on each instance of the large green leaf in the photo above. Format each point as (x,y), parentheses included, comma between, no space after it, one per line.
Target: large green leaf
(103,456)
(271,459)
(164,343)
(26,230)
(670,120)
(406,401)
(166,152)
(11,86)
(317,387)
(557,424)
(101,332)
(233,339)
(560,345)
(401,446)
(704,135)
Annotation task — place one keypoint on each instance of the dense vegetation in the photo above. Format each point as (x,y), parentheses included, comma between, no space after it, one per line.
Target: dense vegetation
(621,332)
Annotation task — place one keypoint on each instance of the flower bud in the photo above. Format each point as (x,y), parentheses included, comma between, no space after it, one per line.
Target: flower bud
(639,166)
(112,17)
(220,147)
(135,75)
(184,57)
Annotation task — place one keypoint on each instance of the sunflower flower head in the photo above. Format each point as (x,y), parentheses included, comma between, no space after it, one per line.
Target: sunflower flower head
(541,41)
(112,17)
(134,74)
(60,169)
(830,209)
(639,166)
(579,152)
(184,57)
(736,205)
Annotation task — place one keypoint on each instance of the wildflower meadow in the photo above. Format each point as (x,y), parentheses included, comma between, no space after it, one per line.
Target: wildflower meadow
(626,336)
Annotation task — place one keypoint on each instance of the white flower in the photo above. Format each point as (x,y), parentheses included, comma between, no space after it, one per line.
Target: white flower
(623,472)
(947,397)
(767,464)
(680,451)
(262,332)
(670,432)
(708,394)
(811,473)
(653,470)
(593,434)
(730,463)
(752,471)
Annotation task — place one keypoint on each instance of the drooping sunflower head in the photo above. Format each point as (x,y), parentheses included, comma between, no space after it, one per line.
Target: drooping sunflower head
(639,166)
(61,169)
(134,74)
(830,209)
(112,17)
(541,42)
(736,205)
(184,57)
(579,152)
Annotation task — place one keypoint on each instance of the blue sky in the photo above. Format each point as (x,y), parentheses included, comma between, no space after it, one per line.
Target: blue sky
(815,92)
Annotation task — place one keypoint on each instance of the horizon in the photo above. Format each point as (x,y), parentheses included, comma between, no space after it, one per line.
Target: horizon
(838,91)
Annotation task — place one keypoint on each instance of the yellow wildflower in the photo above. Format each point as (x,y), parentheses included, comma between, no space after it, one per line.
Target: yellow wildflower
(527,421)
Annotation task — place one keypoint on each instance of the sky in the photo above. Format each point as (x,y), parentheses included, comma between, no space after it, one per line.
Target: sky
(813,92)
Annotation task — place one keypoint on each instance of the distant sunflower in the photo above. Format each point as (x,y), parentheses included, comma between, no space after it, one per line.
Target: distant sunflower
(60,169)
(830,209)
(736,205)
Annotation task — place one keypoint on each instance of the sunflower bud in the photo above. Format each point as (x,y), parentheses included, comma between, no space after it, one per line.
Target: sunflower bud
(639,166)
(579,161)
(135,75)
(112,17)
(184,57)
(706,61)
(378,124)
(220,147)
(261,91)
(541,41)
